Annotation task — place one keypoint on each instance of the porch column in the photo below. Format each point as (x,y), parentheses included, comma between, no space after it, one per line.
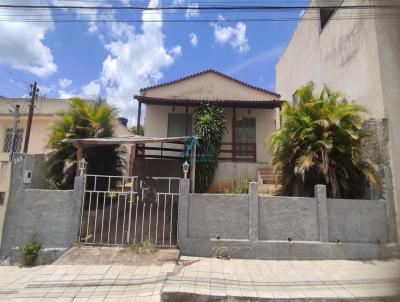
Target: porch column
(193,169)
(132,159)
(233,134)
(138,122)
(187,121)
(79,156)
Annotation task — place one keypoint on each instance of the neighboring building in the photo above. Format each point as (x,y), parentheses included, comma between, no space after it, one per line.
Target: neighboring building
(45,114)
(356,51)
(251,118)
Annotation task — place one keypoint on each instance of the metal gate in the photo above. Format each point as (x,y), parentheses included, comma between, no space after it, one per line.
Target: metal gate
(121,210)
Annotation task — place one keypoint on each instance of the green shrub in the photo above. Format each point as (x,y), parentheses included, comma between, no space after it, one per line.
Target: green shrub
(241,185)
(320,142)
(30,252)
(209,127)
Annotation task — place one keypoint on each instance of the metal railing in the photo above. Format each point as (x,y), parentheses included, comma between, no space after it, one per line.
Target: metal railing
(242,152)
(124,210)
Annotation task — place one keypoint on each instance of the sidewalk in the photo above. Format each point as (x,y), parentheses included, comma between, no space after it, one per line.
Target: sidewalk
(204,279)
(83,283)
(260,279)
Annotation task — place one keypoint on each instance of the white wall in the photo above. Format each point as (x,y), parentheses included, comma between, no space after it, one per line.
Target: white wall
(344,55)
(360,57)
(209,86)
(156,125)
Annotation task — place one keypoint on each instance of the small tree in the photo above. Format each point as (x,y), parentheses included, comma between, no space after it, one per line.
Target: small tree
(320,142)
(210,127)
(138,131)
(82,120)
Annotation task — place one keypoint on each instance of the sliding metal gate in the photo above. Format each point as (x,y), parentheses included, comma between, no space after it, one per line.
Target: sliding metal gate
(118,210)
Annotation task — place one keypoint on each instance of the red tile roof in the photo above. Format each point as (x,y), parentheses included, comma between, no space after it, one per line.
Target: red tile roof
(216,72)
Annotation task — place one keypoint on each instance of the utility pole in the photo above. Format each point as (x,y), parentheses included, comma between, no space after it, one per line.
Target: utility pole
(14,133)
(33,93)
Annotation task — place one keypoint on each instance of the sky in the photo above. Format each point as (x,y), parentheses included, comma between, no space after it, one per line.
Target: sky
(116,59)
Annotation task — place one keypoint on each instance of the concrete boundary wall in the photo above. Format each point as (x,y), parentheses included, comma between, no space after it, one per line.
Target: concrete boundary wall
(251,226)
(50,217)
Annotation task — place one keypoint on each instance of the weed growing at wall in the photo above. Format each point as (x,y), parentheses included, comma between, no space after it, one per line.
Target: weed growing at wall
(241,185)
(29,252)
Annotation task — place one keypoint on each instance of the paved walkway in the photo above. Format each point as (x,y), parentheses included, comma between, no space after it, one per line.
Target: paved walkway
(202,276)
(83,283)
(282,279)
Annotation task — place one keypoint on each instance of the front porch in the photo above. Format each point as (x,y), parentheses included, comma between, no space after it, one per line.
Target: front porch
(249,124)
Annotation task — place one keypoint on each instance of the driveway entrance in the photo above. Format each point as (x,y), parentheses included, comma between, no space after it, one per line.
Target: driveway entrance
(126,210)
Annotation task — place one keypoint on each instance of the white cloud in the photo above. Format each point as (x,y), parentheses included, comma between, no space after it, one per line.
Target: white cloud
(220,18)
(235,36)
(176,51)
(62,94)
(193,8)
(64,83)
(126,2)
(193,39)
(90,14)
(192,11)
(135,60)
(92,89)
(22,43)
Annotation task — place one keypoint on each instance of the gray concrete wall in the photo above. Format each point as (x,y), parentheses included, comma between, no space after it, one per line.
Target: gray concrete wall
(51,217)
(358,221)
(250,226)
(221,215)
(281,218)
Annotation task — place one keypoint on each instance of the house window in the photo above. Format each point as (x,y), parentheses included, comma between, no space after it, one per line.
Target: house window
(325,15)
(17,141)
(177,124)
(245,137)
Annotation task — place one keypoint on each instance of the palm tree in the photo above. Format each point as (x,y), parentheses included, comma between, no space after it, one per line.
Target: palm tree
(82,120)
(320,142)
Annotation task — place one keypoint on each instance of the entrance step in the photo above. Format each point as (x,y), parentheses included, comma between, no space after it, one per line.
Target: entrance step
(266,176)
(118,255)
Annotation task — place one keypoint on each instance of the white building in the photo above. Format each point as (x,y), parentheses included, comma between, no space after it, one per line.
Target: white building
(356,51)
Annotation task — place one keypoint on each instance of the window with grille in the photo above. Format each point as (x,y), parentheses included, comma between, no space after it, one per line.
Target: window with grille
(177,124)
(17,140)
(245,136)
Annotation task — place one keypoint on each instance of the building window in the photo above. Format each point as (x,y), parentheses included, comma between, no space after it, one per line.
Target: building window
(177,124)
(325,15)
(245,136)
(17,141)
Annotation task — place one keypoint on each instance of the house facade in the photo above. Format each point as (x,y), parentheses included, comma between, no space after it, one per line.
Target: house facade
(356,51)
(251,118)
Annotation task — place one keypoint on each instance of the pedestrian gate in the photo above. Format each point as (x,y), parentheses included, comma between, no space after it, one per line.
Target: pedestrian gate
(120,210)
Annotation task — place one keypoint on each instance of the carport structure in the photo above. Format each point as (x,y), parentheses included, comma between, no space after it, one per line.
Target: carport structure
(137,143)
(133,209)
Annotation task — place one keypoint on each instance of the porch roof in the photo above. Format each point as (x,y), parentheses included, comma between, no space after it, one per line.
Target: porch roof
(261,104)
(128,140)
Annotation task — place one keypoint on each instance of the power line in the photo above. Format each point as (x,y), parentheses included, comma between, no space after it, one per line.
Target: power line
(14,75)
(200,7)
(279,19)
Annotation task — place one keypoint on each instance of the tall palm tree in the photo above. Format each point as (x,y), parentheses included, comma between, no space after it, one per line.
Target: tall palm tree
(82,120)
(320,142)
